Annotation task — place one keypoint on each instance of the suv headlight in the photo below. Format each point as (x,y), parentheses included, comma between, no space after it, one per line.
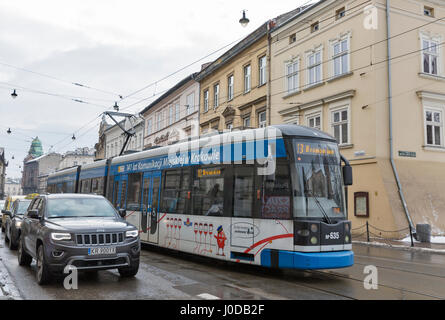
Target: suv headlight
(131,234)
(60,236)
(18,224)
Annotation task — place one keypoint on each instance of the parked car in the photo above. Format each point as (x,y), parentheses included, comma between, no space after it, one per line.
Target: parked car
(8,204)
(13,222)
(2,205)
(84,231)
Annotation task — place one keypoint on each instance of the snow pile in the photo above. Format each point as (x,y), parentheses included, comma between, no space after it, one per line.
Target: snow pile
(435,239)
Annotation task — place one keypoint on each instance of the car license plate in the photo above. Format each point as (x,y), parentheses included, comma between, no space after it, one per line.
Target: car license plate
(101,250)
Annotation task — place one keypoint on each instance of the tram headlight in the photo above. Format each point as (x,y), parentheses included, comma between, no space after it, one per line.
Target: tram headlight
(314,240)
(303,233)
(347,239)
(314,228)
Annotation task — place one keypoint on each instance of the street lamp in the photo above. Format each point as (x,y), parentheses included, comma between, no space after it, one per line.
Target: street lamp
(73,137)
(244,21)
(8,131)
(116,107)
(14,95)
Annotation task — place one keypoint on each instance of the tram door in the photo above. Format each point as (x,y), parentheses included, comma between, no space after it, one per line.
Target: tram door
(150,209)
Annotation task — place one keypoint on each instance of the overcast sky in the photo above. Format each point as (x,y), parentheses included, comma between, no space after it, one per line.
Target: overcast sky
(115,46)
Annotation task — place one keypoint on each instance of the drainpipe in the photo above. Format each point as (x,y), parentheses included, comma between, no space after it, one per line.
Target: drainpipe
(391,157)
(269,74)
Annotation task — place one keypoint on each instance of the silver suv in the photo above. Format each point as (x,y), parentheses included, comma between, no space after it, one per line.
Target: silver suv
(83,231)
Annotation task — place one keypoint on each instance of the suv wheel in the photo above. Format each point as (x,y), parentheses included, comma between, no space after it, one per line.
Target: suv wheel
(43,274)
(12,244)
(130,271)
(24,258)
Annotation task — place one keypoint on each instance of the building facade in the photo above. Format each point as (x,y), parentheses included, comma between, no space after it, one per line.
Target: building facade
(174,116)
(80,156)
(234,88)
(331,69)
(3,166)
(13,187)
(101,145)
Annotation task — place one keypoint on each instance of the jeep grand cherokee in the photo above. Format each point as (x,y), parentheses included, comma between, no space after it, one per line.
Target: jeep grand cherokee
(83,231)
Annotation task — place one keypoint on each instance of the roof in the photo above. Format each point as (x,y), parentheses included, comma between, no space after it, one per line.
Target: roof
(72,196)
(302,131)
(170,91)
(249,40)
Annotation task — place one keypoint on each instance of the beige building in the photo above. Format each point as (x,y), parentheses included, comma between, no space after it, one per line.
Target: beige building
(330,67)
(173,116)
(234,87)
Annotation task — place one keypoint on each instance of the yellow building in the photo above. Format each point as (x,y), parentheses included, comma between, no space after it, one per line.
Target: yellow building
(333,68)
(233,88)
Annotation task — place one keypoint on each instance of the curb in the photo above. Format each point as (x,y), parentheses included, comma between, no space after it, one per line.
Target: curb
(8,290)
(399,247)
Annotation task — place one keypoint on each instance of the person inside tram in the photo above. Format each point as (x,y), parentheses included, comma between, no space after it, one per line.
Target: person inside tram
(216,205)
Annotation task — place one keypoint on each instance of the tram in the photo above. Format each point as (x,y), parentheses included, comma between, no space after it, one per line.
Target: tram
(273,196)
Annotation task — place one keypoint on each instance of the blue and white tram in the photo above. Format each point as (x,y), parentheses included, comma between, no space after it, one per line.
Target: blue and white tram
(272,197)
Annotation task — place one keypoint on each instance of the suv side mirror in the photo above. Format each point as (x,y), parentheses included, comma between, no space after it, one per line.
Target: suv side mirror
(347,175)
(33,214)
(122,213)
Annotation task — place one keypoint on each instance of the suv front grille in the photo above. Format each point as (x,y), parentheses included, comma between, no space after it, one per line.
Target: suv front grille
(99,239)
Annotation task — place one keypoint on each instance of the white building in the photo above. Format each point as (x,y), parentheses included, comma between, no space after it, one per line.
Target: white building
(13,187)
(78,157)
(115,138)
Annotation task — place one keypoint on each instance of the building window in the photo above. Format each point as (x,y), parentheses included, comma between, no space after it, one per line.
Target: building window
(229,126)
(430,58)
(340,57)
(292,38)
(230,90)
(315,27)
(159,122)
(434,127)
(149,126)
(262,70)
(361,204)
(262,119)
(206,100)
(170,115)
(177,111)
(216,95)
(190,103)
(314,68)
(314,121)
(292,77)
(247,78)
(428,11)
(340,13)
(340,125)
(246,122)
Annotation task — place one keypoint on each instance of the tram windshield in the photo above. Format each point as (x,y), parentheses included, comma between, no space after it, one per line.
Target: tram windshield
(318,181)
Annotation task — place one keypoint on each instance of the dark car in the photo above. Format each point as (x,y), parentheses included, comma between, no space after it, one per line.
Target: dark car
(84,231)
(13,222)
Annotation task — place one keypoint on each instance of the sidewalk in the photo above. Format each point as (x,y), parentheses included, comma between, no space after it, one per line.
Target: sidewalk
(8,290)
(403,245)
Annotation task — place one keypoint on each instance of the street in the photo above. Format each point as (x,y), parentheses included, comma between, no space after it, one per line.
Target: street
(165,275)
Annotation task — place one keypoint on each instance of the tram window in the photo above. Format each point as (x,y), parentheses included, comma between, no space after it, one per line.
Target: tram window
(85,186)
(170,195)
(123,194)
(97,185)
(243,191)
(115,193)
(208,191)
(134,191)
(276,202)
(64,188)
(110,189)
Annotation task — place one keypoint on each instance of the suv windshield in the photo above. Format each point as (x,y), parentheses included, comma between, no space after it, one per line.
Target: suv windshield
(79,207)
(22,206)
(319,182)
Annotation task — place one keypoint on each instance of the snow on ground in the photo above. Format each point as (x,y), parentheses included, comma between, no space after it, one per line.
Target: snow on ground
(435,239)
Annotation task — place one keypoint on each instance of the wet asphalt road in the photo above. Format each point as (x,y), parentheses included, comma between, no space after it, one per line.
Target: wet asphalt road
(166,275)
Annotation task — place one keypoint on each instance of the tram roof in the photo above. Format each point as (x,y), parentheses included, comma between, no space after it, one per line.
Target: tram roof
(218,139)
(63,172)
